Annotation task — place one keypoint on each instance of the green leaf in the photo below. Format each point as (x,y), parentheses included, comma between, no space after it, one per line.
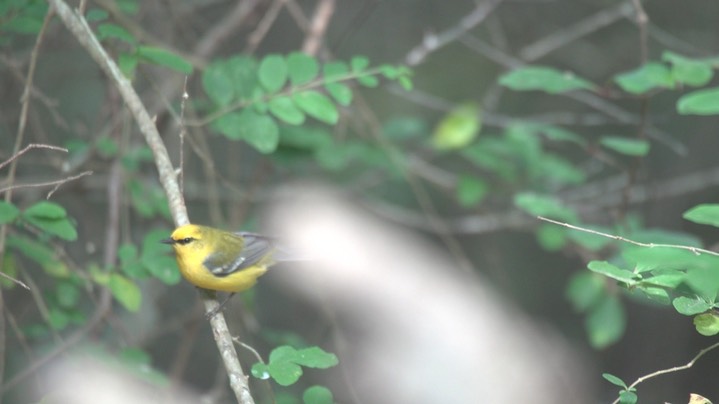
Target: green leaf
(58,318)
(656,294)
(243,70)
(218,83)
(8,212)
(165,58)
(130,262)
(96,14)
(707,213)
(284,363)
(126,292)
(31,249)
(260,371)
(106,146)
(401,128)
(544,79)
(285,109)
(336,70)
(585,289)
(108,30)
(67,293)
(128,64)
(471,190)
(704,281)
(630,147)
(301,68)
(128,6)
(340,92)
(163,268)
(368,80)
(45,210)
(651,76)
(273,72)
(458,128)
(606,322)
(668,279)
(551,237)
(614,272)
(9,268)
(558,134)
(317,105)
(260,131)
(628,397)
(406,83)
(701,102)
(285,373)
(707,324)
(61,228)
(317,395)
(359,63)
(614,380)
(98,275)
(556,170)
(690,306)
(316,357)
(544,205)
(305,137)
(689,71)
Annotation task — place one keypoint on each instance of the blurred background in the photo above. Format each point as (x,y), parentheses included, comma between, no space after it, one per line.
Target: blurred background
(428,134)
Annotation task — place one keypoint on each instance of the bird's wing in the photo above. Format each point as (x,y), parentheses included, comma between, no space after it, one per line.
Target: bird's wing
(255,248)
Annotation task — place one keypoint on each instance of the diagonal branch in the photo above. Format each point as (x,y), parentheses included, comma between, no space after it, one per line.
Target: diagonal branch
(82,32)
(433,42)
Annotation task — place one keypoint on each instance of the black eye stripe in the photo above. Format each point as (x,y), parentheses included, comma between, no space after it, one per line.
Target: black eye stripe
(186,240)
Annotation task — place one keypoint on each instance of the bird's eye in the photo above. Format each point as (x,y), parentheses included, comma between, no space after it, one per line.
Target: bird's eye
(186,240)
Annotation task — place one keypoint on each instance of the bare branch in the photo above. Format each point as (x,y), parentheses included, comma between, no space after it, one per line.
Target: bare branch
(56,183)
(264,26)
(581,28)
(674,369)
(433,42)
(318,26)
(13,280)
(694,250)
(28,148)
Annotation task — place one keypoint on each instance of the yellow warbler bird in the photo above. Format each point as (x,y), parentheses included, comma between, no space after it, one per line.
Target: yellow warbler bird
(220,260)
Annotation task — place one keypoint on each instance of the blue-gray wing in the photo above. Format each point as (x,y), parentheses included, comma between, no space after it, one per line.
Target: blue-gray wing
(255,248)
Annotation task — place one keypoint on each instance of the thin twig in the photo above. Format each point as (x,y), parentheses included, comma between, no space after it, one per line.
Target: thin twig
(433,42)
(13,280)
(183,133)
(571,33)
(642,22)
(263,27)
(25,100)
(695,250)
(318,26)
(56,183)
(674,369)
(28,148)
(223,29)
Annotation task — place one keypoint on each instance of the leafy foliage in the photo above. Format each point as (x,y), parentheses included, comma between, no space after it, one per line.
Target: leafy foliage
(285,88)
(285,363)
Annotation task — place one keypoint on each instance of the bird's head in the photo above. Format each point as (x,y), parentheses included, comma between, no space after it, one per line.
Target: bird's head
(189,235)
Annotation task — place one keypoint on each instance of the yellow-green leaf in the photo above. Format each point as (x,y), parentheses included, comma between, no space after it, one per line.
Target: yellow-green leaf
(458,128)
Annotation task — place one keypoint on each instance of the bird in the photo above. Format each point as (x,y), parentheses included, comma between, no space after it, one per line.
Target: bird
(220,260)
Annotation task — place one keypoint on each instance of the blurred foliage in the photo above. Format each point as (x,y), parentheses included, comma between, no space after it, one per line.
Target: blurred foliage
(483,133)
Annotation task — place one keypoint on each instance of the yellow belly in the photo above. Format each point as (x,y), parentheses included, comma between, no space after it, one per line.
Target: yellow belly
(236,282)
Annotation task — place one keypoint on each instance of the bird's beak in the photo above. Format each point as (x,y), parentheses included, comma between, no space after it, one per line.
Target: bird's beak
(167,241)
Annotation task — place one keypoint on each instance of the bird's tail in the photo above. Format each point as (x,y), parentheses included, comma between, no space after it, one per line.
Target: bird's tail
(283,253)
